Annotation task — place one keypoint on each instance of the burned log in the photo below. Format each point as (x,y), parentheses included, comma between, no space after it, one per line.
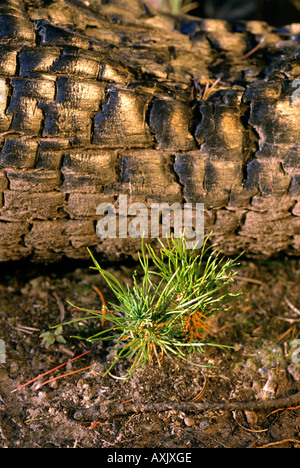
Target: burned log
(99,99)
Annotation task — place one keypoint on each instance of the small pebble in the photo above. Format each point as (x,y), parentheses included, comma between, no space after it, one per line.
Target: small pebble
(189,421)
(203,425)
(53,384)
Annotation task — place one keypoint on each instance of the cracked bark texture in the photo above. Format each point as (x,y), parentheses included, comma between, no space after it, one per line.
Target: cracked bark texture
(98,99)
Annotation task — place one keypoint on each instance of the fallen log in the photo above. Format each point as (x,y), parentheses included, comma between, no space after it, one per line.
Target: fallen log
(101,100)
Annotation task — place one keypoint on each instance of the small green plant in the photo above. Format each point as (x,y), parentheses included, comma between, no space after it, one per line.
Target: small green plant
(50,337)
(168,310)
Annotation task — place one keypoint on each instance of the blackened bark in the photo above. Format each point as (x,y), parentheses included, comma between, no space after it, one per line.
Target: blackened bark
(107,99)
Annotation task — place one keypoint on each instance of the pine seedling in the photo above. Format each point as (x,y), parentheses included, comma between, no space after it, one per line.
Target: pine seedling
(200,287)
(167,311)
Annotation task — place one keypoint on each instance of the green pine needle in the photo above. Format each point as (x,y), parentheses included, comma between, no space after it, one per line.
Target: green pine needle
(168,311)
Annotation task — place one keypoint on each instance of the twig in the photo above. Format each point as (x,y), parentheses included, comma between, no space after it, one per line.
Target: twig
(108,412)
(100,421)
(288,319)
(294,309)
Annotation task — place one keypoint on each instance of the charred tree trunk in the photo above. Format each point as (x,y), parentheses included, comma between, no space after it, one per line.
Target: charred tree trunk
(98,100)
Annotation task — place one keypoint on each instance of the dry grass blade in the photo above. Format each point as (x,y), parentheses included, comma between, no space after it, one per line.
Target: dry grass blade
(283,335)
(255,49)
(249,280)
(279,442)
(209,89)
(202,391)
(60,306)
(247,428)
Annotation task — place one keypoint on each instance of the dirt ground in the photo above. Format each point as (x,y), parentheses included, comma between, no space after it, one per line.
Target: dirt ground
(262,365)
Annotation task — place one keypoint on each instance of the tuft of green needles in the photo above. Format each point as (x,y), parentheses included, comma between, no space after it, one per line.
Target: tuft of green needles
(168,310)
